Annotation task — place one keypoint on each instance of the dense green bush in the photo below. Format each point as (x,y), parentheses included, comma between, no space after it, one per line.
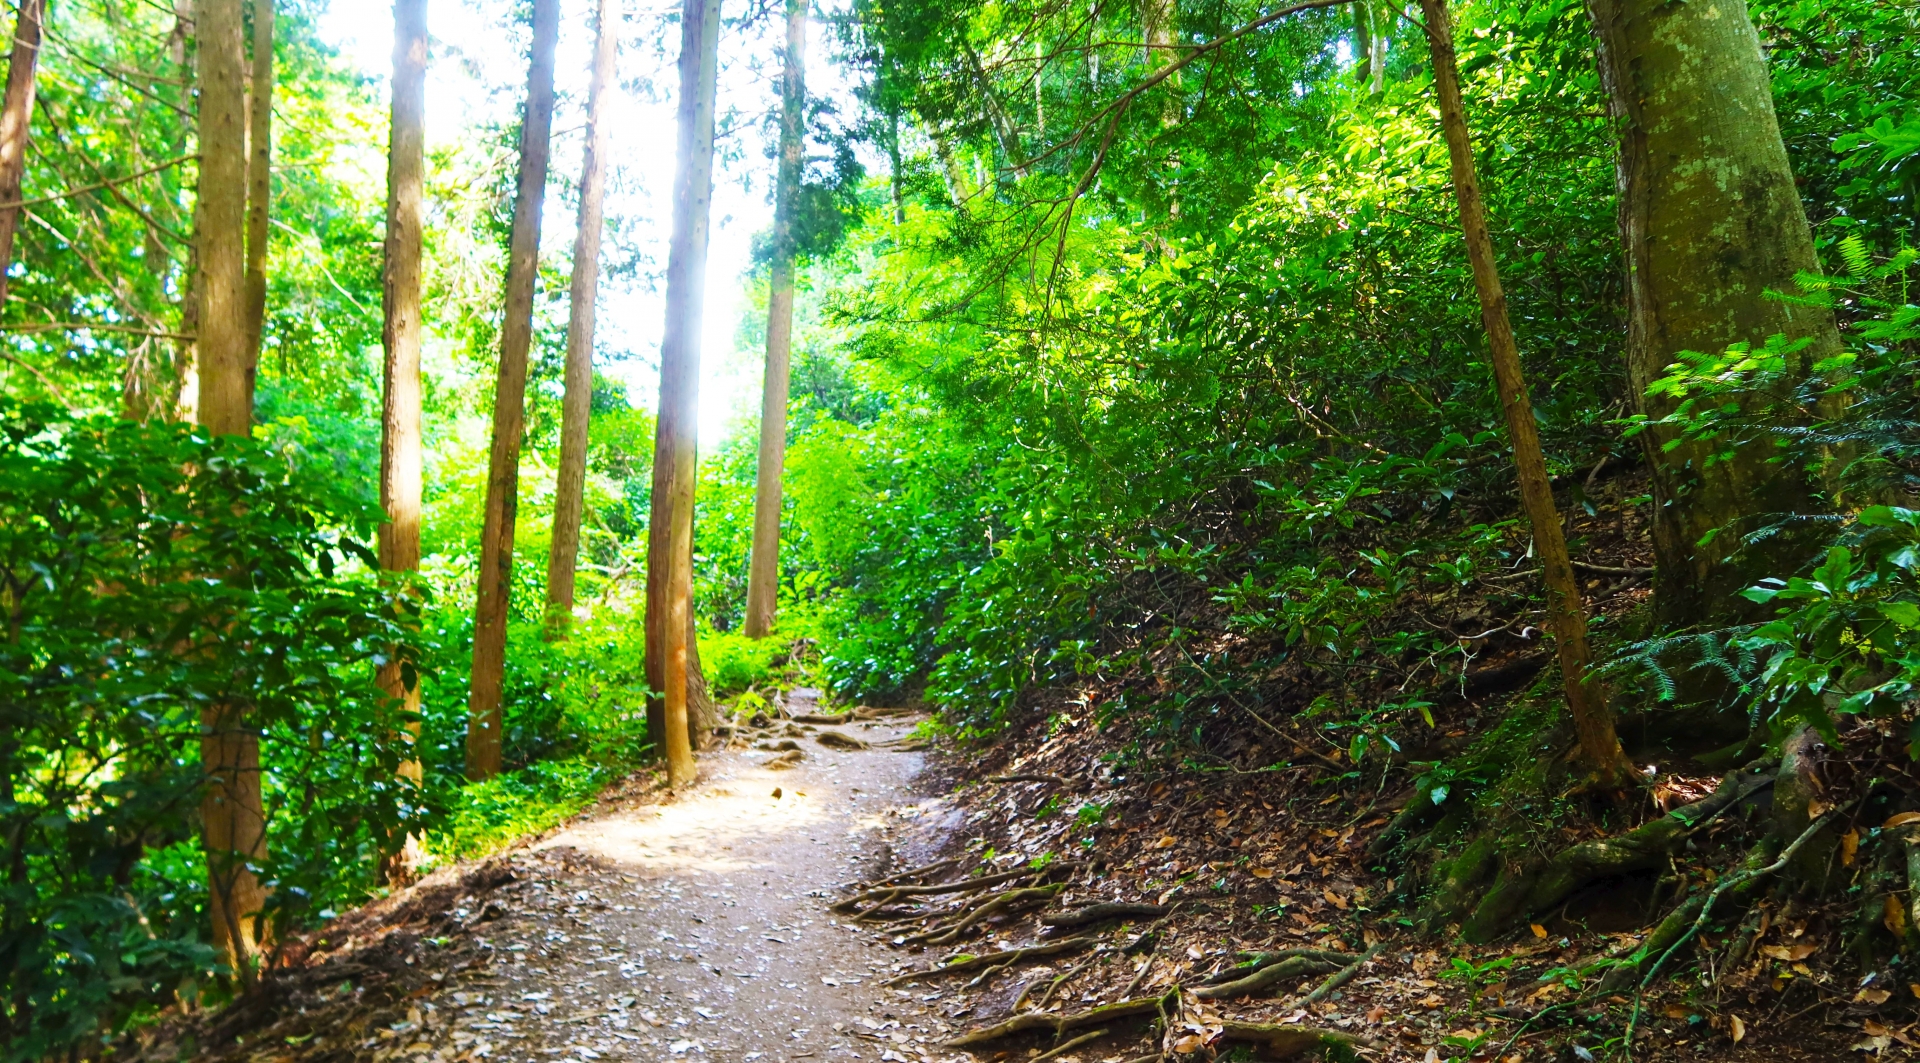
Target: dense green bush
(150,572)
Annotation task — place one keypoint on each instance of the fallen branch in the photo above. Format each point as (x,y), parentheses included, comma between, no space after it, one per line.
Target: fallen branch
(1100,913)
(1035,1022)
(1341,977)
(968,963)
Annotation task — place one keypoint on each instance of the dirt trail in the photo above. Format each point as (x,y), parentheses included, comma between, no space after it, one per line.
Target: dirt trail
(701,930)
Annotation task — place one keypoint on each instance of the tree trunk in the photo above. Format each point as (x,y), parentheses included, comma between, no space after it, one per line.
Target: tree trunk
(570,492)
(1566,613)
(231,810)
(509,406)
(16,114)
(1710,220)
(401,458)
(259,183)
(763,571)
(672,655)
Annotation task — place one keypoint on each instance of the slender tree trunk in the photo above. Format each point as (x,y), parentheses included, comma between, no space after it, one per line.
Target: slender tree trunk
(1566,613)
(763,571)
(259,183)
(16,114)
(1711,220)
(151,386)
(671,650)
(570,493)
(896,181)
(1362,43)
(402,332)
(509,406)
(231,811)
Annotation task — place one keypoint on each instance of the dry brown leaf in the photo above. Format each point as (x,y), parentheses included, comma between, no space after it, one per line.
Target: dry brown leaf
(1736,1028)
(1789,952)
(1894,915)
(1376,1013)
(1817,808)
(1914,988)
(1875,997)
(1676,1011)
(1263,872)
(1166,842)
(1189,1044)
(1900,819)
(1538,930)
(1874,1028)
(1334,899)
(1849,845)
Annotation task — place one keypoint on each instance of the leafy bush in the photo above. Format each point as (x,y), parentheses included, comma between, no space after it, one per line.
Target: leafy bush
(148,573)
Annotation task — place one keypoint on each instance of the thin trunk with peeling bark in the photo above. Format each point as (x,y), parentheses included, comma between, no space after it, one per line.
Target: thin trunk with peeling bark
(232,814)
(259,182)
(1566,612)
(569,501)
(671,655)
(509,406)
(763,571)
(402,332)
(16,114)
(1711,221)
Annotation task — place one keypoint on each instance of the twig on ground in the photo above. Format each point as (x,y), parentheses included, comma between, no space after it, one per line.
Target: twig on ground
(1070,1045)
(1046,997)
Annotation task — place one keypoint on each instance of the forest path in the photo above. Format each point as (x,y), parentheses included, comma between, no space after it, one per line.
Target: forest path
(700,928)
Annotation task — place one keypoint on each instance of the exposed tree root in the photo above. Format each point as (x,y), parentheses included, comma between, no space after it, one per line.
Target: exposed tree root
(1282,1040)
(1258,961)
(999,903)
(1519,891)
(1341,977)
(887,895)
(1100,913)
(1274,967)
(968,963)
(840,740)
(1069,1046)
(1036,1022)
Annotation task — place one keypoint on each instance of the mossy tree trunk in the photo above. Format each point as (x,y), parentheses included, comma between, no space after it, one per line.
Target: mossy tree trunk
(1710,220)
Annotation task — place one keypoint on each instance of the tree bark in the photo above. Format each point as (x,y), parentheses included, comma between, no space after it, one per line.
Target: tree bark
(671,652)
(231,810)
(1566,612)
(577,407)
(402,332)
(259,183)
(16,114)
(1710,220)
(763,571)
(509,405)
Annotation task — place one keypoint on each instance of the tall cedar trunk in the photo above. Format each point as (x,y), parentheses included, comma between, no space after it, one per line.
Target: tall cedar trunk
(1566,613)
(401,336)
(259,183)
(185,386)
(1711,221)
(763,571)
(671,656)
(509,405)
(570,492)
(231,811)
(16,114)
(151,384)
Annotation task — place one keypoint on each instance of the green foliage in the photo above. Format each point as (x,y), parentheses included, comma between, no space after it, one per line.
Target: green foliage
(149,574)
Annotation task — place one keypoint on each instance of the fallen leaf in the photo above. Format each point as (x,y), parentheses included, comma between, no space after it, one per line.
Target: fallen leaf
(1914,988)
(1334,899)
(1874,1028)
(1189,1044)
(1817,808)
(1900,819)
(1789,952)
(1263,872)
(1676,1011)
(1876,1045)
(1737,1028)
(1433,1056)
(1849,845)
(1538,930)
(1166,842)
(1376,1013)
(1894,915)
(1875,997)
